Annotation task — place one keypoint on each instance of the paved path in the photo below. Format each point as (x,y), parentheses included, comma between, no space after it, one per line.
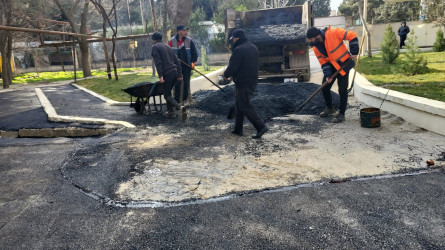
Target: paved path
(22,109)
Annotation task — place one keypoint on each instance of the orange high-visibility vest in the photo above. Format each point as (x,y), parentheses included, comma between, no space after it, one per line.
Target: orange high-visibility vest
(335,48)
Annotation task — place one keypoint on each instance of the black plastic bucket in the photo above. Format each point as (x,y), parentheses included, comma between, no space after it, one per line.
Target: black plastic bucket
(370,117)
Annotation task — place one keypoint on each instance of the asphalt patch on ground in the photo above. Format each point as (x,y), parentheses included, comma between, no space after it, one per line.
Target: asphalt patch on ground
(269,100)
(188,146)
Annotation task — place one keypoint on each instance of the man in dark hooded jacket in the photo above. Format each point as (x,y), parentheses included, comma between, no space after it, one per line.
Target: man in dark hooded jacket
(402,32)
(243,68)
(169,71)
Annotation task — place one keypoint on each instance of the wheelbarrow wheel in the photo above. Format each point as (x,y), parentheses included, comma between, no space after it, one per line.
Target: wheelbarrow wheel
(139,106)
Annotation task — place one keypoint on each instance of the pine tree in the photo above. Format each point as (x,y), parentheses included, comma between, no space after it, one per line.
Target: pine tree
(439,45)
(390,47)
(204,59)
(414,63)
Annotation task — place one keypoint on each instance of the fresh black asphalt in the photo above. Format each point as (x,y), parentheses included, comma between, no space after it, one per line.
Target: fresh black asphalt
(39,209)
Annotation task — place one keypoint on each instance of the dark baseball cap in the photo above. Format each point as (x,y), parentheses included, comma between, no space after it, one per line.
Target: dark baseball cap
(181,27)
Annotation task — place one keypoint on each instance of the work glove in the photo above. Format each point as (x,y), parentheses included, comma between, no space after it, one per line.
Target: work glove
(193,65)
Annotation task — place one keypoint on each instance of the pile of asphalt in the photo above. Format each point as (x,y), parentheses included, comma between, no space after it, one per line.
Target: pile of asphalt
(269,100)
(282,33)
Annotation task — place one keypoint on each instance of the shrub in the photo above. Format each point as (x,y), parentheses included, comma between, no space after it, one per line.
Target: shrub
(439,45)
(390,47)
(414,63)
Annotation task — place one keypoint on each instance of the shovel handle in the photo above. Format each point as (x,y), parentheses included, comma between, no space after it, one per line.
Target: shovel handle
(323,85)
(201,74)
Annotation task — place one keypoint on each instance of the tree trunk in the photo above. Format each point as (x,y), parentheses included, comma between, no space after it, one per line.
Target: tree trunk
(6,53)
(179,12)
(164,24)
(83,45)
(155,27)
(142,16)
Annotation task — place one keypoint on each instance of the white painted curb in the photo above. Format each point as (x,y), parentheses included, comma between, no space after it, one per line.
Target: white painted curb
(52,114)
(422,112)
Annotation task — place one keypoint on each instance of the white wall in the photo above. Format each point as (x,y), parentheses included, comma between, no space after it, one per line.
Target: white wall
(425,32)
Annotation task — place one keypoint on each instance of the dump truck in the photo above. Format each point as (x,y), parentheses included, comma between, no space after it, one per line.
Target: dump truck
(280,36)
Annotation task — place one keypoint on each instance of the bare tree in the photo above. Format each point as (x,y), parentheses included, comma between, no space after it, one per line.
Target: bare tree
(107,16)
(83,44)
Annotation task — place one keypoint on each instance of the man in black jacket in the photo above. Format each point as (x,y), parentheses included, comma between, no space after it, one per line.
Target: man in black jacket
(243,68)
(402,32)
(185,49)
(169,71)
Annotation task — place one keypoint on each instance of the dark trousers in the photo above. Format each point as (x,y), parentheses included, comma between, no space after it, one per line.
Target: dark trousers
(243,107)
(186,73)
(343,82)
(169,80)
(402,41)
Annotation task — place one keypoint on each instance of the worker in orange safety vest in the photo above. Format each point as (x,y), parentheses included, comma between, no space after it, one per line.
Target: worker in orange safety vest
(332,54)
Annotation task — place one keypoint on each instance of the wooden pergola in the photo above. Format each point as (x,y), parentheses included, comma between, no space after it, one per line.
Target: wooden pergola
(92,38)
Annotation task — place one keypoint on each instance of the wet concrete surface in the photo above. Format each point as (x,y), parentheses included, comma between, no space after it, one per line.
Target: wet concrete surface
(39,209)
(21,109)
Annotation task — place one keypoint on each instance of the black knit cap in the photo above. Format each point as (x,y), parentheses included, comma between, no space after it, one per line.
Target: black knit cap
(312,32)
(156,36)
(238,33)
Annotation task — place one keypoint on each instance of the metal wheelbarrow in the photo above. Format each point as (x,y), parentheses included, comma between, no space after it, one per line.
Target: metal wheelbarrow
(143,91)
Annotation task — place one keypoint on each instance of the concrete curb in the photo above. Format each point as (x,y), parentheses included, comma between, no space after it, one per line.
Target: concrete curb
(52,115)
(196,84)
(103,98)
(422,112)
(54,132)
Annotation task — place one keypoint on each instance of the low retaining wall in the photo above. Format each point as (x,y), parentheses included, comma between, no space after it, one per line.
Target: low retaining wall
(422,112)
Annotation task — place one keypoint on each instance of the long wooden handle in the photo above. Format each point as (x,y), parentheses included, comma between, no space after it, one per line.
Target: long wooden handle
(200,73)
(323,85)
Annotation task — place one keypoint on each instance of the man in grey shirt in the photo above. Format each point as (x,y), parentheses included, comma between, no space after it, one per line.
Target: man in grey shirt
(169,71)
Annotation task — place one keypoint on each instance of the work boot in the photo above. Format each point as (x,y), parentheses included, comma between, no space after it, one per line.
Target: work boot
(339,117)
(183,109)
(260,133)
(327,112)
(169,114)
(236,132)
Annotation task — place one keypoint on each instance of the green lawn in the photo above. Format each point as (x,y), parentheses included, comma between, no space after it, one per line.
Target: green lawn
(46,77)
(430,85)
(113,89)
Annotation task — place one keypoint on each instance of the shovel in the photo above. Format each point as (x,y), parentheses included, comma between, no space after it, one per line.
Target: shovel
(323,85)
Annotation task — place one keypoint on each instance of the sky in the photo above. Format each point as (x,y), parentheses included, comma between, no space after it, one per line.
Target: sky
(335,4)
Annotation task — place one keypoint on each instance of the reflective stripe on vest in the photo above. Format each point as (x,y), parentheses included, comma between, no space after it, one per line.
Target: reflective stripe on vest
(185,44)
(335,47)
